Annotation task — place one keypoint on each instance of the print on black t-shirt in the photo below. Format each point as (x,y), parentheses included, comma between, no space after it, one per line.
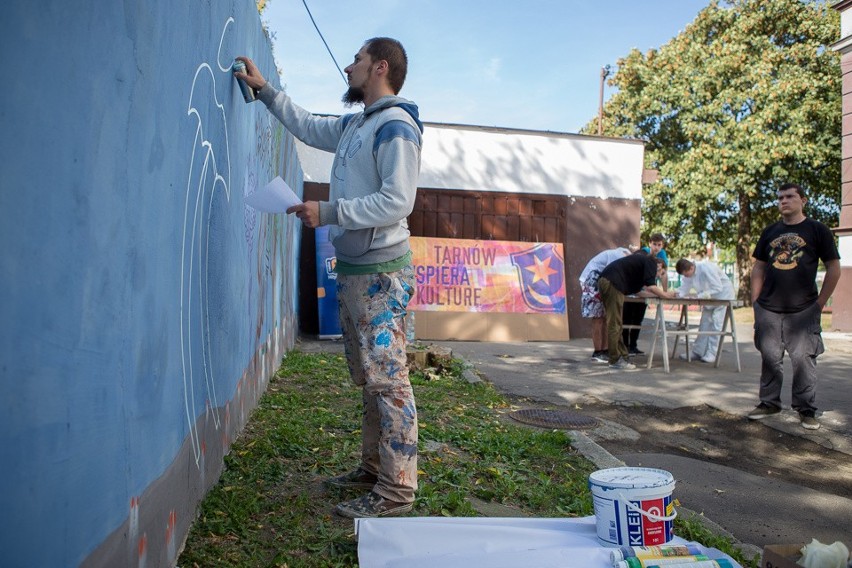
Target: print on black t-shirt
(786,250)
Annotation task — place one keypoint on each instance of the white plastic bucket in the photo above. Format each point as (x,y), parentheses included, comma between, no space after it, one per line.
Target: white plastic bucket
(633,506)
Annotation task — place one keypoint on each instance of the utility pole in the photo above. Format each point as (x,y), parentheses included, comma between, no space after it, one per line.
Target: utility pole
(605,71)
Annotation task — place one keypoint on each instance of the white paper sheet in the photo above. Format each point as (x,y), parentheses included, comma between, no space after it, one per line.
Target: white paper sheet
(471,542)
(275,197)
(487,542)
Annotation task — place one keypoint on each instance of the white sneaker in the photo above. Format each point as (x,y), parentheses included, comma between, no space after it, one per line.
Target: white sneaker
(809,421)
(622,365)
(707,359)
(694,357)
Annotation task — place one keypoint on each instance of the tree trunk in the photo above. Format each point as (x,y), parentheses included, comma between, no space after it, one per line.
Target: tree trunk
(744,262)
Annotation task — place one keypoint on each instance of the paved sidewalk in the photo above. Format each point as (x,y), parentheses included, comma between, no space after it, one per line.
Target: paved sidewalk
(561,373)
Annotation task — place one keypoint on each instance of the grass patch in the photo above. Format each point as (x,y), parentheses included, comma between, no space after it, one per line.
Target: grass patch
(270,508)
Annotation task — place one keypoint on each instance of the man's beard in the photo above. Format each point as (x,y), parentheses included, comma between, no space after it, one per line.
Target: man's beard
(353,96)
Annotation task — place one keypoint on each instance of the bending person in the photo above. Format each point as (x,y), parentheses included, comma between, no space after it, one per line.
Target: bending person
(705,280)
(635,274)
(591,306)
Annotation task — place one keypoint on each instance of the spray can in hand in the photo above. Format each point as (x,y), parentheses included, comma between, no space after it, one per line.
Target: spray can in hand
(249,94)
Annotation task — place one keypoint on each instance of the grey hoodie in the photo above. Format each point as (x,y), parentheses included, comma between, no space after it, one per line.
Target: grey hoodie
(373,177)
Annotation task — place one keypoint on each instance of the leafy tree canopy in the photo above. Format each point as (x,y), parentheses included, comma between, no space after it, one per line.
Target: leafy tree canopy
(746,98)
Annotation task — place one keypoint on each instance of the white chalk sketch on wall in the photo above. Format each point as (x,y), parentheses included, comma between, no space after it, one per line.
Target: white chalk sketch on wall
(209,172)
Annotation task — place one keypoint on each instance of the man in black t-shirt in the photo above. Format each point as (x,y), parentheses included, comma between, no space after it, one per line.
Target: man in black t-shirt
(633,274)
(787,307)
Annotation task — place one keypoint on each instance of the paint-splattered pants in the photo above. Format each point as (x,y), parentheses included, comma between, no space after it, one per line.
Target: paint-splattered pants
(372,316)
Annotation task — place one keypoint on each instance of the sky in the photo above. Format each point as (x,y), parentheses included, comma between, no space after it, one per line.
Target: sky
(530,64)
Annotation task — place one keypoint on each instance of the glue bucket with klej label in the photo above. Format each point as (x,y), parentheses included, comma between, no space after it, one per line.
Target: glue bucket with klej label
(633,506)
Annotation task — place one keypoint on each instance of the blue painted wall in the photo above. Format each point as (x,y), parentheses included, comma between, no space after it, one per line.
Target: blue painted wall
(143,305)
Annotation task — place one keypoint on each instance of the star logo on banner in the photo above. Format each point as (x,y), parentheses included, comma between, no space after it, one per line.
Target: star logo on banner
(541,270)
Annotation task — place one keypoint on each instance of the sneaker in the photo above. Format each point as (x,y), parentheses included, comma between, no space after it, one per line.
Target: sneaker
(635,351)
(809,421)
(763,410)
(359,479)
(698,358)
(600,356)
(622,365)
(371,505)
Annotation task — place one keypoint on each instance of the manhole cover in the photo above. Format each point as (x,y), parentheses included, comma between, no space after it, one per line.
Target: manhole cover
(553,418)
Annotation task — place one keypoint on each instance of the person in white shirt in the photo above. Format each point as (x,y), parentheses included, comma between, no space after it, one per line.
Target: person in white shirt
(591,306)
(705,280)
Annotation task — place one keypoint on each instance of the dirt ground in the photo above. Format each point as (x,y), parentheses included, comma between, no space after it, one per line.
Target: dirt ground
(710,435)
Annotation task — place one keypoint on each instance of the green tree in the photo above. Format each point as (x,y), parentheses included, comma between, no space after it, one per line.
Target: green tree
(746,98)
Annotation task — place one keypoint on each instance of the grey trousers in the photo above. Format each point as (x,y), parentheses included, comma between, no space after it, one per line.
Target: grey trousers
(799,335)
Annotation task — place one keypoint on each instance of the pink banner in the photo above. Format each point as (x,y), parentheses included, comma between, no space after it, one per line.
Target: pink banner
(458,275)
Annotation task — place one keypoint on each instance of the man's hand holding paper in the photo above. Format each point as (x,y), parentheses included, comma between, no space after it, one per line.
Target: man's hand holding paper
(307,212)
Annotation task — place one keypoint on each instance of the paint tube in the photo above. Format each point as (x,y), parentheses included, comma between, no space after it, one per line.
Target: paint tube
(718,563)
(662,551)
(633,562)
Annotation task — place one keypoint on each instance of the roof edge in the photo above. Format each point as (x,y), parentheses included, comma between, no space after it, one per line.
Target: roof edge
(527,131)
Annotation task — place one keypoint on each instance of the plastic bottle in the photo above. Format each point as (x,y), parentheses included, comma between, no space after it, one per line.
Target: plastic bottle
(634,562)
(662,551)
(718,563)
